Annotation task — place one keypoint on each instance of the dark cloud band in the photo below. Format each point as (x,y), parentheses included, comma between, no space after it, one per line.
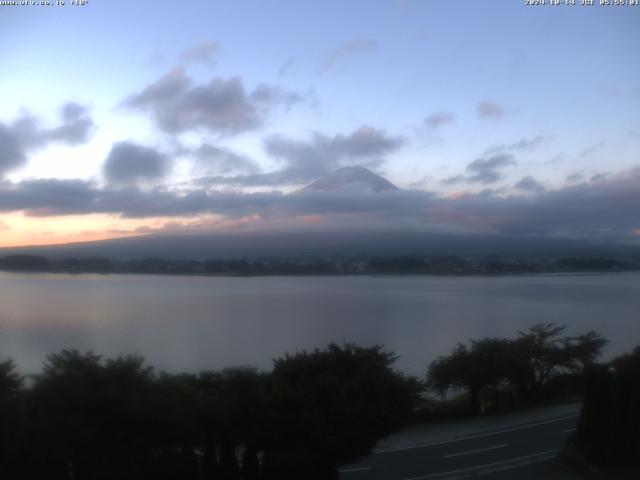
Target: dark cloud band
(584,210)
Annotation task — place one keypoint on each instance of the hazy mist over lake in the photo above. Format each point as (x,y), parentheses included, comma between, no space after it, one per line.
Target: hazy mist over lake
(195,323)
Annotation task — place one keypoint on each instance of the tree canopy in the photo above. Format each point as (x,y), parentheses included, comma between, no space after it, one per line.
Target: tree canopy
(87,417)
(327,406)
(610,420)
(10,380)
(525,364)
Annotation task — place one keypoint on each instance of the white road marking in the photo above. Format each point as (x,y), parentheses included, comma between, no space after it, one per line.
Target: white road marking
(358,469)
(471,437)
(469,452)
(567,430)
(544,456)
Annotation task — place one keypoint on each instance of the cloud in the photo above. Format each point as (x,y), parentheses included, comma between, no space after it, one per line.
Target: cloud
(364,142)
(346,51)
(490,110)
(579,210)
(584,210)
(265,96)
(12,154)
(437,119)
(304,161)
(420,184)
(575,177)
(205,53)
(132,164)
(556,159)
(592,149)
(25,134)
(44,194)
(169,86)
(287,66)
(453,180)
(72,111)
(522,145)
(530,185)
(76,128)
(487,170)
(482,170)
(216,160)
(222,106)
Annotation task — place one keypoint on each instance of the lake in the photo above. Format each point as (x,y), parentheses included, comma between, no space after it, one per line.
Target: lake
(182,323)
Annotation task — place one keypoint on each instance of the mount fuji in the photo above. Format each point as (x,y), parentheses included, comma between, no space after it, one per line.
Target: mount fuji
(352,179)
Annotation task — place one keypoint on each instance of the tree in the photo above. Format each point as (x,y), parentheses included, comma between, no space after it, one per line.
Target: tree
(610,419)
(232,415)
(330,407)
(584,350)
(174,407)
(526,364)
(10,380)
(485,363)
(10,427)
(543,347)
(91,417)
(547,353)
(244,398)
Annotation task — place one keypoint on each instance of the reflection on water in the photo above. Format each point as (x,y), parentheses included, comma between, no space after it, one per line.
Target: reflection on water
(194,323)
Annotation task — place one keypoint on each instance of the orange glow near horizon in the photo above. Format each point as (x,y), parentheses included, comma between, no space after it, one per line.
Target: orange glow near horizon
(19,230)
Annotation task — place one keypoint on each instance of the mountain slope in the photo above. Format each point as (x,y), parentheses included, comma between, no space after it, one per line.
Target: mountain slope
(352,179)
(374,242)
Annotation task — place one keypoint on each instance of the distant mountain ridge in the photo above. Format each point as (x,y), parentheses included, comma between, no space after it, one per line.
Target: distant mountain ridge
(352,179)
(374,242)
(360,240)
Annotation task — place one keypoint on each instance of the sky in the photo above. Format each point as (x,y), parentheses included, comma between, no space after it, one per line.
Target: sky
(122,118)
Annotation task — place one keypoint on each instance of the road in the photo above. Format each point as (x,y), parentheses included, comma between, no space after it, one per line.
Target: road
(491,454)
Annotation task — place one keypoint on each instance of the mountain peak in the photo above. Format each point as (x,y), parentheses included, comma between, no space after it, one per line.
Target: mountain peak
(351,179)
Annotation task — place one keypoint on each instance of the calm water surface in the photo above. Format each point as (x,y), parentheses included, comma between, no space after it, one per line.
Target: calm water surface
(194,323)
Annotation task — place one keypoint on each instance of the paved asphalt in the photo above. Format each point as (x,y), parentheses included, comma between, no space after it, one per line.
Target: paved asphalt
(492,454)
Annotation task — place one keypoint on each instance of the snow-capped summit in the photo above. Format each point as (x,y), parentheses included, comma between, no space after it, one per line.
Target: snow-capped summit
(352,179)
